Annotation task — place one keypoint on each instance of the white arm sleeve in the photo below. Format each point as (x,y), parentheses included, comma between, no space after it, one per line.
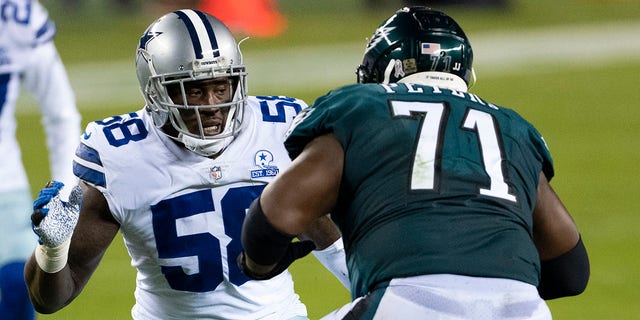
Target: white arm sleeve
(46,79)
(333,258)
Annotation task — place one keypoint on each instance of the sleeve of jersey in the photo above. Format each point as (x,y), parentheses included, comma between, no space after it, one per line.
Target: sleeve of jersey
(87,164)
(320,118)
(36,27)
(307,125)
(47,81)
(543,151)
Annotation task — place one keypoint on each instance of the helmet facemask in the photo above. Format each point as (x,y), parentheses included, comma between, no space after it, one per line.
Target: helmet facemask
(194,124)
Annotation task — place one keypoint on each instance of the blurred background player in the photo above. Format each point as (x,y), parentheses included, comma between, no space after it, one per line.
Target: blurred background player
(28,60)
(175,178)
(443,198)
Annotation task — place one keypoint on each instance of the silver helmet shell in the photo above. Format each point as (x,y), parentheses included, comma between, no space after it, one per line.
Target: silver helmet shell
(184,46)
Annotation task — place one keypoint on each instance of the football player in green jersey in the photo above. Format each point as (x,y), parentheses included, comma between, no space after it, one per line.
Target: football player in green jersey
(443,198)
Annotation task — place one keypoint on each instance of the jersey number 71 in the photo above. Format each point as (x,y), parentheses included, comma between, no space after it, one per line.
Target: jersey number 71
(430,138)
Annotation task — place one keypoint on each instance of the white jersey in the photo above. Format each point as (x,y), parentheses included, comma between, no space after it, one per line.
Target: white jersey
(28,57)
(181,214)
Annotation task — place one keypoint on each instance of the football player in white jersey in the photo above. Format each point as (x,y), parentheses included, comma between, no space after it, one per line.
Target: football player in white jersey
(28,60)
(176,179)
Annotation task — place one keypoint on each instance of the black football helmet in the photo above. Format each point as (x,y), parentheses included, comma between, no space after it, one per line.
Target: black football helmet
(417,42)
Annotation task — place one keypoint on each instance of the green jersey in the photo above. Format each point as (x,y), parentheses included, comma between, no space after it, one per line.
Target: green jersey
(435,181)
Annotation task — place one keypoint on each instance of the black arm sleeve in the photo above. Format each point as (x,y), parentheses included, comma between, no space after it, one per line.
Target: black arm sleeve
(566,275)
(262,242)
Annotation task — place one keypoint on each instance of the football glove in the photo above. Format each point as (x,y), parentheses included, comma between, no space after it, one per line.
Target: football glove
(54,220)
(296,250)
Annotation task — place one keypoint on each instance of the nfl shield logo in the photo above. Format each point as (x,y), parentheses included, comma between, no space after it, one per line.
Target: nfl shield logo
(215,173)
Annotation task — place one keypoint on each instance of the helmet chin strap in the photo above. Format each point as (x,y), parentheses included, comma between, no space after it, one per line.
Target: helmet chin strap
(206,148)
(437,79)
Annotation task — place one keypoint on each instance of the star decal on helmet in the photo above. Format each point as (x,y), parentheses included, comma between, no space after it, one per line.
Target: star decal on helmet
(144,40)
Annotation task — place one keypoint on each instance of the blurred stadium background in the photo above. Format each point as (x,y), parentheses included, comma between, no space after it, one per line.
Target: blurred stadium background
(571,67)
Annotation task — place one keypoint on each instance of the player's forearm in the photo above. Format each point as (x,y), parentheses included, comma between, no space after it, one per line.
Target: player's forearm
(49,292)
(323,232)
(267,251)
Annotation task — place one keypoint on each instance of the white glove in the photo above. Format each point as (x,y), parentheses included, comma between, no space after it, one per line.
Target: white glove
(333,258)
(53,220)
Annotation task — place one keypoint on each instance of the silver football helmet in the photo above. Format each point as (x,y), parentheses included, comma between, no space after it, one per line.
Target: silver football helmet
(182,48)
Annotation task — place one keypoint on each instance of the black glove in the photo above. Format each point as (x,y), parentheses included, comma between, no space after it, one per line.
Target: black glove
(296,250)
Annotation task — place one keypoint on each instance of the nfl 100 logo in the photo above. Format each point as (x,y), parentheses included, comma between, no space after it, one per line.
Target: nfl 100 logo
(263,160)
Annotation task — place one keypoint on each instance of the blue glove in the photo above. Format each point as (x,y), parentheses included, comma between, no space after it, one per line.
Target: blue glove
(54,220)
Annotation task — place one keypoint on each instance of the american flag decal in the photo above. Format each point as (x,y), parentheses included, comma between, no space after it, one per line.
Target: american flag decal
(429,48)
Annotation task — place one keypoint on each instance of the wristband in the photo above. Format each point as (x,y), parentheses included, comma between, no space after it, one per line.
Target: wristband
(52,260)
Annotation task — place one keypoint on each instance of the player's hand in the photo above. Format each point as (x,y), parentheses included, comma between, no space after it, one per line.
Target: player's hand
(53,220)
(296,250)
